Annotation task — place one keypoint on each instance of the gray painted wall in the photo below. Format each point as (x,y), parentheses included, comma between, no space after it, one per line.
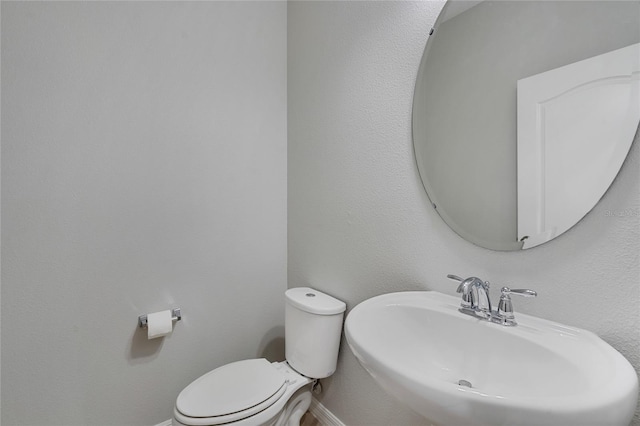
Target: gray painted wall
(361,225)
(143,167)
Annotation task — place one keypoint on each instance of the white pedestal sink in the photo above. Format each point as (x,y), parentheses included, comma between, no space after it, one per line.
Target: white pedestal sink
(458,370)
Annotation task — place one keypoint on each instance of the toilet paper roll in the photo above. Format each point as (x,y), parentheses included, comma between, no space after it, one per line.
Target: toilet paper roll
(159,324)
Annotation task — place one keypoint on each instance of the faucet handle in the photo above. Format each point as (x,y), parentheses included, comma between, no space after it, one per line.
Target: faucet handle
(469,280)
(505,314)
(462,288)
(520,291)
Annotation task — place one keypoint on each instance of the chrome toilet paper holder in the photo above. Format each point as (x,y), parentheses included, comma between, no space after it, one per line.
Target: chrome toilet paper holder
(176,315)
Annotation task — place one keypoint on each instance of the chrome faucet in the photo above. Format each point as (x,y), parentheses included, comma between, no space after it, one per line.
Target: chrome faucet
(504,314)
(475,296)
(477,303)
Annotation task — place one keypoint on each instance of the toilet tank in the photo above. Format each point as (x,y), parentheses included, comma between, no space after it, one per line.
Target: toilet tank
(313,326)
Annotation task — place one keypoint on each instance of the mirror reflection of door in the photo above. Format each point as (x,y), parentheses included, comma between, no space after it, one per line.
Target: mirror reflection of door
(465,115)
(575,127)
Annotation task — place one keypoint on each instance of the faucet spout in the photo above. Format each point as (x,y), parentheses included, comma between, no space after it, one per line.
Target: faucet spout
(469,294)
(483,307)
(475,296)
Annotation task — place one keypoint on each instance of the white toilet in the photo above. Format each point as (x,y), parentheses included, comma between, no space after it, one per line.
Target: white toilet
(256,392)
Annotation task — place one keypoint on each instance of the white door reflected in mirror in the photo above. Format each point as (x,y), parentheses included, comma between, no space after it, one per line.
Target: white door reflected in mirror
(465,127)
(576,124)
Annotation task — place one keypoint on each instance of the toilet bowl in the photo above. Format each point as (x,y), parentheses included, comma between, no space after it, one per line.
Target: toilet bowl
(255,392)
(250,392)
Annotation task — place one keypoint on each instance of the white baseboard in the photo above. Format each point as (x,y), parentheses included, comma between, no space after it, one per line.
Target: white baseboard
(324,416)
(319,411)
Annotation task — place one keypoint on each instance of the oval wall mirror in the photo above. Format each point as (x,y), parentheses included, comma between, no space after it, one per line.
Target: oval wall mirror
(523,114)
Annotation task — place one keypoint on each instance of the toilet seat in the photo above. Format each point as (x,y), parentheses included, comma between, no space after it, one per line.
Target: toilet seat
(230,393)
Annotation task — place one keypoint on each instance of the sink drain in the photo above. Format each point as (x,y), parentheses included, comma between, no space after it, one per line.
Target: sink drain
(464,383)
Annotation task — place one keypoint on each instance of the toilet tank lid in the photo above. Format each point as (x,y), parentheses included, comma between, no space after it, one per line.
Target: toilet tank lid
(314,301)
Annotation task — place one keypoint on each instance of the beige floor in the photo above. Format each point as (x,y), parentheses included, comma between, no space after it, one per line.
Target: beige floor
(309,420)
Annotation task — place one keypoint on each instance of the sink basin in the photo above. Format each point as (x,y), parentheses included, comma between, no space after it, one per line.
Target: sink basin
(458,370)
